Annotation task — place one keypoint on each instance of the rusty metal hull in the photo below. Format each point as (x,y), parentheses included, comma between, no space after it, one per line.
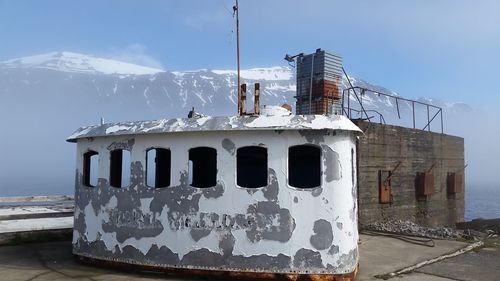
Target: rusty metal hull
(274,229)
(241,275)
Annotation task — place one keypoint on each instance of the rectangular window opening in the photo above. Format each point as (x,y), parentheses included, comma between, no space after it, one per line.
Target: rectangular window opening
(304,166)
(90,168)
(158,167)
(119,168)
(251,166)
(203,167)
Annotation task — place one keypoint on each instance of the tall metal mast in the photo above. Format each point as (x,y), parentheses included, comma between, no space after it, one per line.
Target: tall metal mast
(236,11)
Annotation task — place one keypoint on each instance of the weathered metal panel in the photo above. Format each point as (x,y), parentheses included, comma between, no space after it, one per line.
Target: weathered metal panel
(455,183)
(324,71)
(425,185)
(325,65)
(385,188)
(275,229)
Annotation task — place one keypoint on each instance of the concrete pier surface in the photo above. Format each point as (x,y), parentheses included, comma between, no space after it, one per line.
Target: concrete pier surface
(27,219)
(380,255)
(35,218)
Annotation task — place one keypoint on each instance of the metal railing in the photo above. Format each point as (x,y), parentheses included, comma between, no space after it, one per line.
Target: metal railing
(348,112)
(353,90)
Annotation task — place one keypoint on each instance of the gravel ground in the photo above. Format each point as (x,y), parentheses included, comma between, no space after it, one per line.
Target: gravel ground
(410,228)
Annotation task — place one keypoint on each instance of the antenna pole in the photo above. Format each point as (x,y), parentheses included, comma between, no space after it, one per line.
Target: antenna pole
(236,11)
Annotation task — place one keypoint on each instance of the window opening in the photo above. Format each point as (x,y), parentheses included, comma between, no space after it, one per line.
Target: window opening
(304,166)
(119,168)
(251,166)
(90,168)
(158,167)
(203,167)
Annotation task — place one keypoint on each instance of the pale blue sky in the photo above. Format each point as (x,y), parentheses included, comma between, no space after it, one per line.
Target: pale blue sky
(443,49)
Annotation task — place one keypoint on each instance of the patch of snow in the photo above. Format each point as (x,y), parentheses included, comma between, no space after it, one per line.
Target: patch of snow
(268,74)
(278,87)
(273,110)
(116,128)
(201,121)
(200,96)
(232,97)
(145,94)
(183,93)
(269,121)
(178,82)
(178,74)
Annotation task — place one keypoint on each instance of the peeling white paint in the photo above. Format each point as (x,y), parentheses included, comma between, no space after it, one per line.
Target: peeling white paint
(336,201)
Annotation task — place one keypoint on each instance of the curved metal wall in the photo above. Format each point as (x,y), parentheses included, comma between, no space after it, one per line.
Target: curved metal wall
(276,228)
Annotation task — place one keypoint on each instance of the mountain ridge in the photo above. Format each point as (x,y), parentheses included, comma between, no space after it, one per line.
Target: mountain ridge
(84,63)
(199,88)
(42,105)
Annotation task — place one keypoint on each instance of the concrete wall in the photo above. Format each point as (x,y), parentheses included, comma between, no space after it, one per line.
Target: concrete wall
(381,148)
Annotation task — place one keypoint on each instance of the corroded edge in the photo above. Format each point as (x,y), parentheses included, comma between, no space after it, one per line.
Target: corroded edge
(240,275)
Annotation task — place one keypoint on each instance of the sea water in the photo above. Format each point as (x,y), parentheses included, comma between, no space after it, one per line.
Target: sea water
(482,202)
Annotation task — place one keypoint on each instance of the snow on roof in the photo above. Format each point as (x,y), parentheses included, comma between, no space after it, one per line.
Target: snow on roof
(207,123)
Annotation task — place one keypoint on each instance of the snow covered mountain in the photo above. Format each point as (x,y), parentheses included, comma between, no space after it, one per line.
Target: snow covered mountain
(44,98)
(112,87)
(122,91)
(78,63)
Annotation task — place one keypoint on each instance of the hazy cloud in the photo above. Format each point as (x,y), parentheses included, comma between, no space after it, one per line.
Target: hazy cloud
(136,53)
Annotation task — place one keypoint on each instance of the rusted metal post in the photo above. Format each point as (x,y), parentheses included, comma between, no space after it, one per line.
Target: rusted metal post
(342,103)
(441,111)
(428,121)
(413,108)
(256,101)
(243,104)
(236,11)
(361,103)
(397,107)
(349,104)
